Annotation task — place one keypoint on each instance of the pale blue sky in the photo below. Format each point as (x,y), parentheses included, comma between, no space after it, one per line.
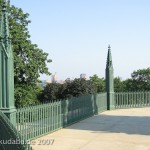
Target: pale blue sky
(76,34)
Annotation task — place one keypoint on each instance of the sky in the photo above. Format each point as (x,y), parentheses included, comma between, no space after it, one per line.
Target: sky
(76,35)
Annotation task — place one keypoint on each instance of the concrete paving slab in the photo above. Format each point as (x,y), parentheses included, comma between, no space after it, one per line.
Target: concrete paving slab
(123,129)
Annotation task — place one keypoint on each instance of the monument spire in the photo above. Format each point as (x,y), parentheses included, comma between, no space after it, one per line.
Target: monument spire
(109,81)
(109,57)
(4,28)
(6,67)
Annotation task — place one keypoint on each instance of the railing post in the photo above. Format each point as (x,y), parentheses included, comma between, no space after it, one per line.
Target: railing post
(110,82)
(65,104)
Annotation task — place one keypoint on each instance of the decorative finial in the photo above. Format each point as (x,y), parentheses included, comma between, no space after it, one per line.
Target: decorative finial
(109,57)
(4,6)
(4,24)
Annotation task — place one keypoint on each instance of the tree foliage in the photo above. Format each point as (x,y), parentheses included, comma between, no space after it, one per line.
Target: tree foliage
(98,82)
(140,80)
(75,88)
(118,85)
(26,97)
(79,87)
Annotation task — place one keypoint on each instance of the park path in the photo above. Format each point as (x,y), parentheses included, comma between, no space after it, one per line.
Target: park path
(123,129)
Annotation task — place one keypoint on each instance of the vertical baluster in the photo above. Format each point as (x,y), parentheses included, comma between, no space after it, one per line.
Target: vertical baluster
(121,100)
(148,98)
(27,123)
(127,96)
(140,93)
(32,128)
(24,123)
(117,100)
(55,114)
(140,98)
(35,114)
(134,99)
(47,118)
(124,100)
(137,102)
(145,98)
(38,122)
(43,119)
(52,116)
(60,107)
(50,120)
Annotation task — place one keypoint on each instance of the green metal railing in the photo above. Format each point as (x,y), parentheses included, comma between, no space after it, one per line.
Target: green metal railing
(101,102)
(39,120)
(132,99)
(35,121)
(9,136)
(80,108)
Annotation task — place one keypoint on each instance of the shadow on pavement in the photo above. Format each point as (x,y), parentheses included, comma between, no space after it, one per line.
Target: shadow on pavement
(115,124)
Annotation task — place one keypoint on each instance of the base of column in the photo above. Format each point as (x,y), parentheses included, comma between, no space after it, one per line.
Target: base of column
(11,114)
(111,107)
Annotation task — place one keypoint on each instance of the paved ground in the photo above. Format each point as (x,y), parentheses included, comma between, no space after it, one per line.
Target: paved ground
(126,129)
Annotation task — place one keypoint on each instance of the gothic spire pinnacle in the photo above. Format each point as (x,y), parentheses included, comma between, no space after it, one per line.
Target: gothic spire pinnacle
(7,104)
(4,6)
(4,28)
(109,57)
(110,81)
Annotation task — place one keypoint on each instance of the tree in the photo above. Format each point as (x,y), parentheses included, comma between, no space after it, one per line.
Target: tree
(29,60)
(118,85)
(80,87)
(128,85)
(141,79)
(98,82)
(50,92)
(75,88)
(25,98)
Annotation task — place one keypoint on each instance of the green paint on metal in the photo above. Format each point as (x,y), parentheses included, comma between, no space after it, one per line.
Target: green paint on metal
(110,81)
(132,99)
(6,68)
(10,137)
(36,121)
(39,120)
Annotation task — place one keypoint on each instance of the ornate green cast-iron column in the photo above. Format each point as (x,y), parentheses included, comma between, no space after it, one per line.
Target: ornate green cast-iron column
(6,68)
(110,81)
